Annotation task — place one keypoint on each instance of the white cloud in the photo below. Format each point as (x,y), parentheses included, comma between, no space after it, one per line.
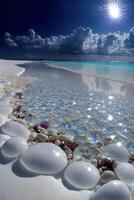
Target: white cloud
(129,42)
(80,41)
(8,40)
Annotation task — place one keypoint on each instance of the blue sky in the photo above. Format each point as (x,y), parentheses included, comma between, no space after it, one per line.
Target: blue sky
(67,26)
(53,17)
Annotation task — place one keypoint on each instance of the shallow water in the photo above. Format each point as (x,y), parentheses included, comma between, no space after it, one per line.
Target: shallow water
(110,69)
(76,108)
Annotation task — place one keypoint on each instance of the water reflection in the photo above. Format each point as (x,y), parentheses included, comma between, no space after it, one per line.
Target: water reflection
(117,88)
(84,107)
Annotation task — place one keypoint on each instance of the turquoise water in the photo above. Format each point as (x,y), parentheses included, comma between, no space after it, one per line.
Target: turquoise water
(80,112)
(123,71)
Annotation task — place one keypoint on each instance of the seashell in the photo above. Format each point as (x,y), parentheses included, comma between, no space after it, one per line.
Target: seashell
(57,142)
(45,124)
(44,158)
(13,147)
(116,151)
(94,162)
(125,173)
(82,175)
(114,190)
(42,137)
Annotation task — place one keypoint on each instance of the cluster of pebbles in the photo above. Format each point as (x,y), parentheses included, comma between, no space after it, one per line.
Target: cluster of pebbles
(106,168)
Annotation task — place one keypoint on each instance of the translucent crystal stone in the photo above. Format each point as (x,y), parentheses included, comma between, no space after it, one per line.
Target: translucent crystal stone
(95,137)
(80,138)
(83,152)
(72,134)
(130,145)
(64,126)
(79,151)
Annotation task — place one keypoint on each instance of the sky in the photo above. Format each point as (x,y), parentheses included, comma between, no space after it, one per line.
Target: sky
(57,25)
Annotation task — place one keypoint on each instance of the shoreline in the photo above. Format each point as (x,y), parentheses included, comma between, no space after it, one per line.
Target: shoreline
(90,75)
(68,57)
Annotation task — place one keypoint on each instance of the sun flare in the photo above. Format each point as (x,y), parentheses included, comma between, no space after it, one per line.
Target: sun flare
(114,10)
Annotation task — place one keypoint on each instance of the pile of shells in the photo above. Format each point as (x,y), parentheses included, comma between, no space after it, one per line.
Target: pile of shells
(41,134)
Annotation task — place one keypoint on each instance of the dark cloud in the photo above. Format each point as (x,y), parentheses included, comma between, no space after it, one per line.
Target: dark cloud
(73,43)
(80,41)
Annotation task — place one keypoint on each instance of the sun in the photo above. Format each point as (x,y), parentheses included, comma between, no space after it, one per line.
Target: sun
(114,10)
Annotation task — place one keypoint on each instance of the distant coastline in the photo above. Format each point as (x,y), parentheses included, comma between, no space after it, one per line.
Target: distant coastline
(74,58)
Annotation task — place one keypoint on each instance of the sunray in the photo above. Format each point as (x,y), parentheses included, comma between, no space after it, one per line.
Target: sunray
(114,11)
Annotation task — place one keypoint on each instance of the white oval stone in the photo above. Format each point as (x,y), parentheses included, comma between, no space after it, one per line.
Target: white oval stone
(116,152)
(13,128)
(3,139)
(114,190)
(44,158)
(82,175)
(125,173)
(13,147)
(107,176)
